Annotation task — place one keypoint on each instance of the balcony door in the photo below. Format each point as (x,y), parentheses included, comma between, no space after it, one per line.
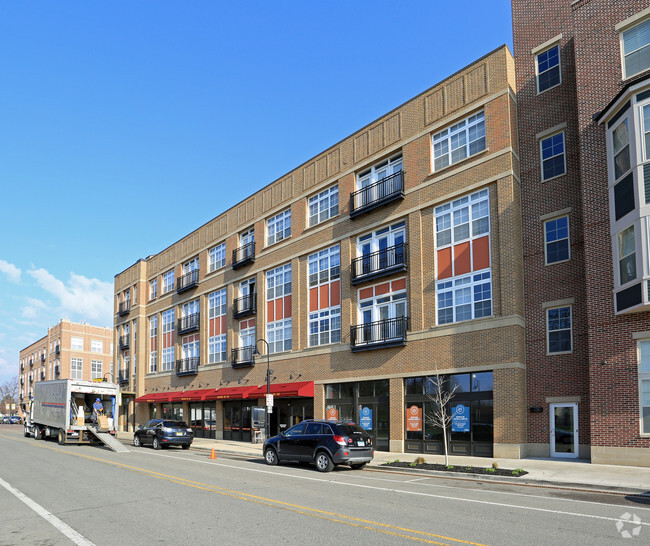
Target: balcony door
(381,249)
(379,318)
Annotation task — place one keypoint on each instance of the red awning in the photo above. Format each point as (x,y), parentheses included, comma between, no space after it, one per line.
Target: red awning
(230,393)
(195,395)
(153,397)
(175,396)
(301,388)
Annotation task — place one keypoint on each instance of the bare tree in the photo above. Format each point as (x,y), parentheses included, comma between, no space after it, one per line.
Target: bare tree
(9,394)
(440,398)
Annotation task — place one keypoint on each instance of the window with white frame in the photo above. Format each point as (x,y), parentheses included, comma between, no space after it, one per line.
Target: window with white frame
(325,326)
(621,149)
(190,266)
(464,139)
(153,361)
(96,369)
(246,334)
(168,282)
(217,348)
(559,330)
(76,368)
(378,182)
(153,326)
(217,257)
(463,219)
(644,385)
(635,43)
(556,240)
(552,156)
(324,320)
(153,289)
(379,250)
(278,227)
(278,335)
(190,347)
(278,327)
(77,343)
(383,316)
(153,343)
(548,68)
(324,266)
(167,363)
(324,205)
(627,255)
(278,282)
(97,346)
(216,316)
(168,321)
(465,297)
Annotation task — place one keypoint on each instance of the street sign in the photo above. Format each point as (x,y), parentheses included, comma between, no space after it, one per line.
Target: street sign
(269,400)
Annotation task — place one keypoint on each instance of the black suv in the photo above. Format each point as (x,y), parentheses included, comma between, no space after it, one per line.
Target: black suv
(324,443)
(162,432)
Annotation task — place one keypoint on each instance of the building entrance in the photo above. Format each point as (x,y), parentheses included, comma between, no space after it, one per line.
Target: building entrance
(203,419)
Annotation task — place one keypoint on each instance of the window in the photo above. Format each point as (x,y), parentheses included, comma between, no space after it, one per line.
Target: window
(76,343)
(96,369)
(153,289)
(97,346)
(190,266)
(636,49)
(324,266)
(217,257)
(621,147)
(278,228)
(558,330)
(325,326)
(552,151)
(278,334)
(464,298)
(217,326)
(217,348)
(324,320)
(380,250)
(548,69)
(76,368)
(153,327)
(278,282)
(644,385)
(626,255)
(463,219)
(153,361)
(278,298)
(459,141)
(167,363)
(168,282)
(323,206)
(168,321)
(556,240)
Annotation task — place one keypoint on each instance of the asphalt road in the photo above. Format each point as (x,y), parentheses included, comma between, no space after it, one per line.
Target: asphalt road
(53,494)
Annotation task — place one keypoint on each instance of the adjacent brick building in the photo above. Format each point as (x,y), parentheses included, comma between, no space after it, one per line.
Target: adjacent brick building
(582,81)
(68,351)
(391,255)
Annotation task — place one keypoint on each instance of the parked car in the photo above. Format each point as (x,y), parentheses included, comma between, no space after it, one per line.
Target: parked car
(6,420)
(16,420)
(163,432)
(323,443)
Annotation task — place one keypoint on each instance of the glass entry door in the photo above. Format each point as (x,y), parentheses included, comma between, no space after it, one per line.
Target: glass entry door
(564,430)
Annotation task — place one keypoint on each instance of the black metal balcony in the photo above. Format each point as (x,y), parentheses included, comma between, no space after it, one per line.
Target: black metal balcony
(243,255)
(22,382)
(22,367)
(377,194)
(124,308)
(123,376)
(380,263)
(42,358)
(31,380)
(246,305)
(187,366)
(42,376)
(379,334)
(21,397)
(187,281)
(57,370)
(57,350)
(123,342)
(243,357)
(31,363)
(187,324)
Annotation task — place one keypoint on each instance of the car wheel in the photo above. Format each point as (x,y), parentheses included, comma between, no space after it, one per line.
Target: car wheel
(136,441)
(38,433)
(61,437)
(156,443)
(358,466)
(185,446)
(270,456)
(323,462)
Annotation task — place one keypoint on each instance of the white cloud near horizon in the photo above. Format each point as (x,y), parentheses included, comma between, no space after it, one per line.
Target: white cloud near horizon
(11,271)
(81,297)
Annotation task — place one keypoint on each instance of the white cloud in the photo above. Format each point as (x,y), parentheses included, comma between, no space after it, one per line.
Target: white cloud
(34,308)
(10,270)
(81,298)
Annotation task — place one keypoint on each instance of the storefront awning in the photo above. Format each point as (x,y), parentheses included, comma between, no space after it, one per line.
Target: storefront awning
(301,388)
(153,397)
(195,395)
(230,393)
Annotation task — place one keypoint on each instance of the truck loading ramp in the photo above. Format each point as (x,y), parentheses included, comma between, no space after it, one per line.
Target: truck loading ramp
(108,440)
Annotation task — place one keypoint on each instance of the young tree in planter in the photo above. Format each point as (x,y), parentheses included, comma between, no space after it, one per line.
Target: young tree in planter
(440,398)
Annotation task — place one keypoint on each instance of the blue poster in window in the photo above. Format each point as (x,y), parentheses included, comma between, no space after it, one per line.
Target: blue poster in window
(460,418)
(365,416)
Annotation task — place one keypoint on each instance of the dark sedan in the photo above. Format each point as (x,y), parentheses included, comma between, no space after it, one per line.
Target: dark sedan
(163,432)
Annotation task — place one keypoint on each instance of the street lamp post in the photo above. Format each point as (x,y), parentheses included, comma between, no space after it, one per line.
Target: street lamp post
(267,421)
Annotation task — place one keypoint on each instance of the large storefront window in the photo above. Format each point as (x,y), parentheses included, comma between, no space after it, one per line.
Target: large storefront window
(172,411)
(473,396)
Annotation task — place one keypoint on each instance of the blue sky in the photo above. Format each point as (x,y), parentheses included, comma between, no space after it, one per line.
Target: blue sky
(126,125)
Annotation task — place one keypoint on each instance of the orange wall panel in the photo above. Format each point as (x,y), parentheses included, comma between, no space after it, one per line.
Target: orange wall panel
(462,259)
(444,263)
(481,253)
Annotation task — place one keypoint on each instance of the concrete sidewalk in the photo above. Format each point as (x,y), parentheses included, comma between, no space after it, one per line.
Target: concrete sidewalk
(571,473)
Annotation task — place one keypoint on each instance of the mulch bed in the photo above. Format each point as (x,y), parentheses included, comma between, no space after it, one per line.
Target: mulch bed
(489,471)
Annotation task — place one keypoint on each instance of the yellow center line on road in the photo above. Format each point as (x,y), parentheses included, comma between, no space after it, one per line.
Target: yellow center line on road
(370,525)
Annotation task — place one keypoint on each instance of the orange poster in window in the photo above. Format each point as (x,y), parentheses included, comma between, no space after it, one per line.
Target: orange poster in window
(414,419)
(332,414)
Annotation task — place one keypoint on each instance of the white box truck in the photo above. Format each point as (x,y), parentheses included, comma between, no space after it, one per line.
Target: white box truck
(63,409)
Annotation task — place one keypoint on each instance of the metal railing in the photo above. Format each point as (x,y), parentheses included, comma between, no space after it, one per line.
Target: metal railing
(243,254)
(245,305)
(382,191)
(393,257)
(187,281)
(188,323)
(123,376)
(124,308)
(187,366)
(381,332)
(243,356)
(123,342)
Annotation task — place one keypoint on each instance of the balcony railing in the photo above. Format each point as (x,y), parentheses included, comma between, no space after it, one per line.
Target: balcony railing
(123,376)
(42,358)
(22,382)
(242,357)
(31,363)
(379,193)
(42,376)
(243,255)
(187,281)
(124,308)
(189,323)
(57,350)
(383,262)
(22,367)
(31,380)
(246,305)
(123,342)
(379,334)
(187,366)
(57,370)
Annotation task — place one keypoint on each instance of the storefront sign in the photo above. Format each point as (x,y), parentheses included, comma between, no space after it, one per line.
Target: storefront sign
(414,419)
(366,418)
(332,414)
(460,418)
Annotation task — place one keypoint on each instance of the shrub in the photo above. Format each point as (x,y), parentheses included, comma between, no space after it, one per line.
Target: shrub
(518,471)
(412,465)
(469,468)
(449,466)
(396,461)
(420,460)
(495,465)
(490,470)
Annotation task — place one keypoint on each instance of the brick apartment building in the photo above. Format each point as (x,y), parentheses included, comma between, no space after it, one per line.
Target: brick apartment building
(583,95)
(392,254)
(69,350)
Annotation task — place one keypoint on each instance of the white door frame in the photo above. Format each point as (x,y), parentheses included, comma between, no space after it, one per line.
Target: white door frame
(576,444)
